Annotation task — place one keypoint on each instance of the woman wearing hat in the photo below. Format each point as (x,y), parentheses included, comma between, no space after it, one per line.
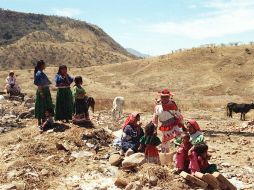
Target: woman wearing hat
(170,118)
(11,86)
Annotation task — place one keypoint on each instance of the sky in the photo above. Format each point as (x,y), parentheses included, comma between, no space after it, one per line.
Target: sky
(155,27)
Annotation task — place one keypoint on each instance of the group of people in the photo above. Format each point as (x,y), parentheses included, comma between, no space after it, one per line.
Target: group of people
(192,151)
(70,103)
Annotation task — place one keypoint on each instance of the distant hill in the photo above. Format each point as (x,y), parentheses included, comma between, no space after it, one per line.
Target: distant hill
(137,53)
(25,38)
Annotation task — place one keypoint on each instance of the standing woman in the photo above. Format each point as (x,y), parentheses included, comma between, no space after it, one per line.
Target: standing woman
(170,118)
(64,99)
(43,97)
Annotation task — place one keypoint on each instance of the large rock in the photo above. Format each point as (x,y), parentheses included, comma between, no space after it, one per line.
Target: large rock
(115,159)
(133,160)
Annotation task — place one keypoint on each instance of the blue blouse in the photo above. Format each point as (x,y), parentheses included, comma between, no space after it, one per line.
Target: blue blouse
(60,81)
(41,79)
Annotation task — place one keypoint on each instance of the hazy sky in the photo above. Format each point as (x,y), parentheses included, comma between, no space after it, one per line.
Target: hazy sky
(155,26)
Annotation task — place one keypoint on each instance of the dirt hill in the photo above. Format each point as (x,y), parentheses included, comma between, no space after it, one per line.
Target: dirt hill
(25,38)
(202,78)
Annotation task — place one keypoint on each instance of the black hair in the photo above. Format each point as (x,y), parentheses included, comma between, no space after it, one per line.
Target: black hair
(50,110)
(60,68)
(200,148)
(78,80)
(149,129)
(38,66)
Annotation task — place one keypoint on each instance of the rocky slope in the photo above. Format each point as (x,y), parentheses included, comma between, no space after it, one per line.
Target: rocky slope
(25,38)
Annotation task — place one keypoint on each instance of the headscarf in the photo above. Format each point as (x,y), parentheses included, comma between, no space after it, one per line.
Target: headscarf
(130,119)
(194,124)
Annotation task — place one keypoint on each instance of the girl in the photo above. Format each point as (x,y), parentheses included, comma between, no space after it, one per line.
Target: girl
(149,142)
(80,102)
(182,159)
(132,132)
(170,118)
(43,100)
(200,159)
(64,99)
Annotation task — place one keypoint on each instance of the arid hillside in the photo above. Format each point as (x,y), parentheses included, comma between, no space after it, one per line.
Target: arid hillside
(199,78)
(25,38)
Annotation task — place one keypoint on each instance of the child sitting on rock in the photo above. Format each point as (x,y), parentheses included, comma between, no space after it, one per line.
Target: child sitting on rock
(149,142)
(199,160)
(48,122)
(80,103)
(182,158)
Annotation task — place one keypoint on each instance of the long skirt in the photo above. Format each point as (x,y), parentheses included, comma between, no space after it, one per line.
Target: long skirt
(64,104)
(80,106)
(43,104)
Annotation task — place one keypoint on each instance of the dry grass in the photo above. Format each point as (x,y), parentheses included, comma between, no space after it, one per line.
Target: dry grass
(200,79)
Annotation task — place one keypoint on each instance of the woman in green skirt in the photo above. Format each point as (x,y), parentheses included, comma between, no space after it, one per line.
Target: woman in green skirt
(64,99)
(43,101)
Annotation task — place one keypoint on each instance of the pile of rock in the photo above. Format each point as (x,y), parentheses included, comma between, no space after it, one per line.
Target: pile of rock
(12,112)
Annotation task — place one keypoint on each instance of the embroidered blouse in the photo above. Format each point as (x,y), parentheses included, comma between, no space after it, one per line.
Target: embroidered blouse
(41,79)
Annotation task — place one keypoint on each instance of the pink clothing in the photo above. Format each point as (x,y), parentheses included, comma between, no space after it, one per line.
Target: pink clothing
(182,158)
(197,163)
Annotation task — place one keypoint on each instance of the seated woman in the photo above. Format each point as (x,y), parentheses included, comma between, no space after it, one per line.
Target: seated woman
(132,132)
(11,86)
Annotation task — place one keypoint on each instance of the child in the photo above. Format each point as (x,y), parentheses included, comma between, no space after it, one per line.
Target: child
(149,142)
(48,123)
(182,159)
(64,99)
(199,160)
(80,103)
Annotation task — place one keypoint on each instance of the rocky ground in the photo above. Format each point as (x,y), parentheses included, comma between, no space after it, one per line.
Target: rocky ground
(77,157)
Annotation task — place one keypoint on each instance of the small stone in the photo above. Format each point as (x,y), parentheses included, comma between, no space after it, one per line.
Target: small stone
(115,159)
(153,180)
(13,173)
(31,110)
(44,172)
(50,131)
(134,186)
(129,152)
(8,187)
(120,182)
(224,164)
(20,185)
